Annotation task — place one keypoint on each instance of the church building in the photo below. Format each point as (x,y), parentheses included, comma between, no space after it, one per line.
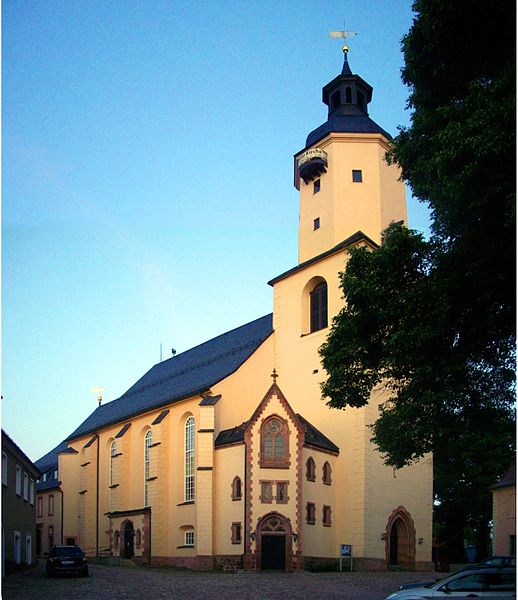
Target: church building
(226,456)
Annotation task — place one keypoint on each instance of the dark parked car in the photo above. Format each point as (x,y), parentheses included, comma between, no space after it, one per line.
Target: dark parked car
(67,559)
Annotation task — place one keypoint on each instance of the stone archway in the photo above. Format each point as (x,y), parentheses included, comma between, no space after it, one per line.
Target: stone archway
(400,540)
(274,543)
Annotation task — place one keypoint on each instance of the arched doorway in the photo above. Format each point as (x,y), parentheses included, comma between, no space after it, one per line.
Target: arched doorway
(274,533)
(128,537)
(400,535)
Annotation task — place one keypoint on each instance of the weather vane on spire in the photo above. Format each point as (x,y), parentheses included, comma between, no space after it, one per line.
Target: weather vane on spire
(343,34)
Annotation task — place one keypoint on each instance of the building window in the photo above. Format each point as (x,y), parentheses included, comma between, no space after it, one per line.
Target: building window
(326,473)
(32,491)
(44,477)
(316,223)
(51,536)
(310,469)
(4,468)
(25,486)
(316,186)
(236,533)
(51,505)
(326,516)
(55,474)
(148,440)
(348,95)
(28,548)
(357,176)
(17,548)
(310,513)
(236,489)
(274,444)
(266,492)
(70,541)
(116,539)
(282,492)
(18,481)
(39,507)
(189,460)
(138,539)
(318,307)
(189,537)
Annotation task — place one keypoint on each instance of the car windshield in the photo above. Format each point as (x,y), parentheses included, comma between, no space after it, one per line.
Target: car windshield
(67,551)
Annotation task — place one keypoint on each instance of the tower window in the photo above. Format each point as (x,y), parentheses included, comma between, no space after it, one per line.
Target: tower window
(348,96)
(316,186)
(318,307)
(357,176)
(335,100)
(316,224)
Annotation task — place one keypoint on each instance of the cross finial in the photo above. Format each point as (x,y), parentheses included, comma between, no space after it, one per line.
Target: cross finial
(274,376)
(343,34)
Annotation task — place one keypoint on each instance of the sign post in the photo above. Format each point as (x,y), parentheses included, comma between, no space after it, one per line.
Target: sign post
(346,550)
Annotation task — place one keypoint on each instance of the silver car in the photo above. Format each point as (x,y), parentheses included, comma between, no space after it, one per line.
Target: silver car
(489,583)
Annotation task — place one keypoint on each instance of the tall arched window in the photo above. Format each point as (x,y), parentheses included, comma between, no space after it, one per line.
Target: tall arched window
(274,443)
(148,440)
(318,307)
(189,459)
(310,469)
(326,473)
(236,489)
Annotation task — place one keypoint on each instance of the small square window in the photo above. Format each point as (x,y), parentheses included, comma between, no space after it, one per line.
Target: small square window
(316,186)
(236,533)
(326,516)
(266,492)
(316,224)
(282,492)
(189,537)
(310,513)
(357,176)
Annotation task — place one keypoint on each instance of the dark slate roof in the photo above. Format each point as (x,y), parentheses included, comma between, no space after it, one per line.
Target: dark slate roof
(50,460)
(509,478)
(50,484)
(187,374)
(312,436)
(353,239)
(345,124)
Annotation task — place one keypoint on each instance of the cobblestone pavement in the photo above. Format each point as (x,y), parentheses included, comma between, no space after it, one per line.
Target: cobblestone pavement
(143,582)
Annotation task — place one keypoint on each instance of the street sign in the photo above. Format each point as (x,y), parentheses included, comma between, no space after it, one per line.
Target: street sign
(346,551)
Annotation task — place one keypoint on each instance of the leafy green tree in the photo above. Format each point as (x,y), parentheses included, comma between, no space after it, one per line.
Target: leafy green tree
(434,320)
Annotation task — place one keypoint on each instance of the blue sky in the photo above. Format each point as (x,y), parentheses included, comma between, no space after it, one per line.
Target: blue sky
(147,179)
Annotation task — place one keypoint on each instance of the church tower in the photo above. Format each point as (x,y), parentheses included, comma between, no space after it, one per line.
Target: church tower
(348,195)
(345,184)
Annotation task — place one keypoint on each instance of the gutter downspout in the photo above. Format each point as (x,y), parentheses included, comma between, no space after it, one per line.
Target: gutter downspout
(97,503)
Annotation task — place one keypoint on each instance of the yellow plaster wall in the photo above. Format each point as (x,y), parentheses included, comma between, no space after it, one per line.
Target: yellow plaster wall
(317,540)
(363,510)
(228,463)
(343,206)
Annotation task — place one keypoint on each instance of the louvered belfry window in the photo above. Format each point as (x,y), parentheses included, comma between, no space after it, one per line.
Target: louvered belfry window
(318,307)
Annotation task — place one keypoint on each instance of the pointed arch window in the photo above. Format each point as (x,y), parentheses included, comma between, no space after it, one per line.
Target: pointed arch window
(274,444)
(326,473)
(310,469)
(189,459)
(236,489)
(318,307)
(148,441)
